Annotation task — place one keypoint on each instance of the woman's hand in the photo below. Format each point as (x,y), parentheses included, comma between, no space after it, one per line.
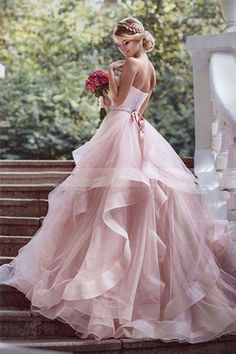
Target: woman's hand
(106,99)
(117,65)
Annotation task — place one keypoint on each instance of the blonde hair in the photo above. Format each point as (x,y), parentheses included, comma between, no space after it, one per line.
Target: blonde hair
(131,28)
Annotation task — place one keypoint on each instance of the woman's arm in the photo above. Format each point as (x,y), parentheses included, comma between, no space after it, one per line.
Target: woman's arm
(129,71)
(113,83)
(107,99)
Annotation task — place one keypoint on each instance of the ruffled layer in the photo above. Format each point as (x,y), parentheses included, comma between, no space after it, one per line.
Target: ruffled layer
(128,247)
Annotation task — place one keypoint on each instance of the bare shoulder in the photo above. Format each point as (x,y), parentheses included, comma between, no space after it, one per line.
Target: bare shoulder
(132,62)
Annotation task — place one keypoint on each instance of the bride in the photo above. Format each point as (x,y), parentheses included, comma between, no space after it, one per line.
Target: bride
(128,247)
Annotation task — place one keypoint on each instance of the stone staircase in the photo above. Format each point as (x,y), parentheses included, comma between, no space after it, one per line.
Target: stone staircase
(23,204)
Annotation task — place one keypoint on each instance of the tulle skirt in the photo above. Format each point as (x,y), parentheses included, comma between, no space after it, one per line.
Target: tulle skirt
(129,247)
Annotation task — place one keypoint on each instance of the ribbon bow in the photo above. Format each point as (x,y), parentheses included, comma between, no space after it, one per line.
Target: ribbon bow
(139,121)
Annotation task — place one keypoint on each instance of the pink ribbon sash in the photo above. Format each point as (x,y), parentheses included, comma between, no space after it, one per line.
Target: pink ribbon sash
(136,117)
(139,121)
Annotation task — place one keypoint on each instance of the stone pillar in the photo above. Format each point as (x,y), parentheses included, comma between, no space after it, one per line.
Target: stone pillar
(207,136)
(214,81)
(228,9)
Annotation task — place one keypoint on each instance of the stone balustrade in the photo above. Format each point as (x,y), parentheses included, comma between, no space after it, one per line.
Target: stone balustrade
(214,81)
(222,78)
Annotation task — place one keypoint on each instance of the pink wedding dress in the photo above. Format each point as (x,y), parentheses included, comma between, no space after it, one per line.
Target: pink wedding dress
(128,247)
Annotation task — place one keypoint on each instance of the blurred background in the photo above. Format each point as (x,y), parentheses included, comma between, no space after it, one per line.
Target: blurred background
(48,49)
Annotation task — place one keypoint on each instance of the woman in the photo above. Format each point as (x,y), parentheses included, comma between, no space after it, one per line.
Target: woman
(137,70)
(128,247)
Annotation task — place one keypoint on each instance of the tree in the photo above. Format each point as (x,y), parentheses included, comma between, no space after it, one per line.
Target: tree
(49,48)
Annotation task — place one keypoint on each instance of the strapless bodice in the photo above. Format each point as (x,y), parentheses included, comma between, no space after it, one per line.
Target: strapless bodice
(133,100)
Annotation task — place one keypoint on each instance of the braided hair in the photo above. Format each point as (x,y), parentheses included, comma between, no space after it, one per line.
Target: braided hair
(131,28)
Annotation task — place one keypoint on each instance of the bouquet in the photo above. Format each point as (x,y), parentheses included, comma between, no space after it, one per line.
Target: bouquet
(96,82)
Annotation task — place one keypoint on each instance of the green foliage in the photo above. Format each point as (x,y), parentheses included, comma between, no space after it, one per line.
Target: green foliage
(50,47)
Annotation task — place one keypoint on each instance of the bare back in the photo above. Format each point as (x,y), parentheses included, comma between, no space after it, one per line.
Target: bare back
(145,79)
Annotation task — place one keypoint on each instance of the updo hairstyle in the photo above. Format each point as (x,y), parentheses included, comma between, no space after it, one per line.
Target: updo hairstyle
(132,29)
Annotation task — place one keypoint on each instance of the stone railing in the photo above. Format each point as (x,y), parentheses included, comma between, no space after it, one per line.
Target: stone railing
(222,79)
(214,69)
(214,81)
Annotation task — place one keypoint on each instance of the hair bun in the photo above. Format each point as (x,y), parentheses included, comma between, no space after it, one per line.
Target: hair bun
(148,41)
(133,29)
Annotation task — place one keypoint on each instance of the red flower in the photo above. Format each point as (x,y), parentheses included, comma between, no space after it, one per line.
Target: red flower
(97,81)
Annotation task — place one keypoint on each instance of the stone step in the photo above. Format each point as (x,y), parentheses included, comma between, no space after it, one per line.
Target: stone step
(10,296)
(53,165)
(14,319)
(4,260)
(65,165)
(10,348)
(23,207)
(12,299)
(24,324)
(222,345)
(33,177)
(10,245)
(63,345)
(28,191)
(36,165)
(19,225)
